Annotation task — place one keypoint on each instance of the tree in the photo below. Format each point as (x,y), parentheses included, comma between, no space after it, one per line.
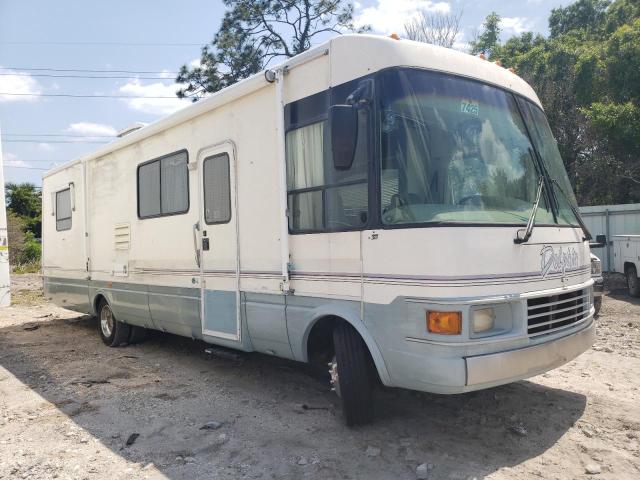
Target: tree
(25,201)
(587,77)
(583,16)
(435,28)
(254,32)
(489,38)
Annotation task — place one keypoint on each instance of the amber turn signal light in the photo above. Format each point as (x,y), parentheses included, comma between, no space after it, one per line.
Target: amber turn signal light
(444,323)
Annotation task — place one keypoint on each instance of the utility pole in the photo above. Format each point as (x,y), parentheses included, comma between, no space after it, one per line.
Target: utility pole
(5,293)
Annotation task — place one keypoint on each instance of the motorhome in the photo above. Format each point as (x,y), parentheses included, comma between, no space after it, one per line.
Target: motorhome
(394,211)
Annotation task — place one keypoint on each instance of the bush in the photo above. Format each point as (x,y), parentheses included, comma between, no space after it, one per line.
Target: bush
(31,250)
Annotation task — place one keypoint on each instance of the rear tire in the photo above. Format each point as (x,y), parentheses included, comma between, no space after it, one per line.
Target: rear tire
(354,384)
(112,332)
(632,281)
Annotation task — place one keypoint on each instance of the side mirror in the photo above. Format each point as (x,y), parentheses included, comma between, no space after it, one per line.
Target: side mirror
(601,241)
(343,131)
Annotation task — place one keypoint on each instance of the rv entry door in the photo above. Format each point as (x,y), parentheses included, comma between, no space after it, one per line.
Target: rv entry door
(216,237)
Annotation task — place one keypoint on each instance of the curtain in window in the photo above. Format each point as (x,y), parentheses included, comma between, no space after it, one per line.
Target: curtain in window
(305,168)
(305,157)
(175,194)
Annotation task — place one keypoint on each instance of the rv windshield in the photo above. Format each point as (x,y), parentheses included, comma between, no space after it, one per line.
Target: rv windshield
(457,150)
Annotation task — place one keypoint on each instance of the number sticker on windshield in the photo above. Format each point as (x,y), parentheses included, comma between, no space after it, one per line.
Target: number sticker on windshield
(470,107)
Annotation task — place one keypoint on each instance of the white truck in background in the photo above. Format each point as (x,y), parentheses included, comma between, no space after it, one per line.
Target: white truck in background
(626,259)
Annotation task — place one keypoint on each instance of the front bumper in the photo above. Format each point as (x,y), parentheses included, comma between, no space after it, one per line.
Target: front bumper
(486,371)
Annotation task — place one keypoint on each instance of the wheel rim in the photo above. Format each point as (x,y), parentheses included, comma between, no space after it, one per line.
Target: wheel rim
(106,321)
(334,379)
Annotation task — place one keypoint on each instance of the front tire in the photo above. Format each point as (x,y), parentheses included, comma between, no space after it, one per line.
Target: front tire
(112,332)
(351,375)
(632,281)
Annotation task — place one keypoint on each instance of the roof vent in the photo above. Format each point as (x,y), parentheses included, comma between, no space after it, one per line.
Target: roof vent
(131,129)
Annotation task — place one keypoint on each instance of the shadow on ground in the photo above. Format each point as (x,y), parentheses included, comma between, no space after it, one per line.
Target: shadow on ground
(167,388)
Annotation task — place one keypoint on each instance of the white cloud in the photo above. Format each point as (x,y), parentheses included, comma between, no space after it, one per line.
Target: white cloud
(389,16)
(45,147)
(12,160)
(90,129)
(160,106)
(517,25)
(18,82)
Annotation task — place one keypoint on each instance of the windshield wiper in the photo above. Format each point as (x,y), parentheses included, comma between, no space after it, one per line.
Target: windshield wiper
(574,210)
(527,232)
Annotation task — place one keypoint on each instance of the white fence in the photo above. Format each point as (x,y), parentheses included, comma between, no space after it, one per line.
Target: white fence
(611,220)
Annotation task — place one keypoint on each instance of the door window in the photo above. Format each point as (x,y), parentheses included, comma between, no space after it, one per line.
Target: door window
(217,190)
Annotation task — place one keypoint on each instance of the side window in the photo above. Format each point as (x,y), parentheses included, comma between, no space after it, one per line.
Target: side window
(163,186)
(217,192)
(63,210)
(321,198)
(305,177)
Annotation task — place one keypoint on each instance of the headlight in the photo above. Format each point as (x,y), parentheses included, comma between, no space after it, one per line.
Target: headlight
(596,266)
(483,319)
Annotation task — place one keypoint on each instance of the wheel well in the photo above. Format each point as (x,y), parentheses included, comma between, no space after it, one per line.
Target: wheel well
(320,342)
(97,301)
(320,348)
(628,266)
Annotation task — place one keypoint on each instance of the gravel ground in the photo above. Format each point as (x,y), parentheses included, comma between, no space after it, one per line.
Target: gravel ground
(69,406)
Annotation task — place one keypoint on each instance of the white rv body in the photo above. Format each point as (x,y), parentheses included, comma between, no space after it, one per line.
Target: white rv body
(261,288)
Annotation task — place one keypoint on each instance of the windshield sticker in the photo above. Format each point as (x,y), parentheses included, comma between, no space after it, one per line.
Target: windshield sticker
(557,261)
(470,107)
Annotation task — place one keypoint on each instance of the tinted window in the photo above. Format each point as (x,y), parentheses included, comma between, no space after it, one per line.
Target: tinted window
(63,210)
(453,150)
(163,186)
(322,198)
(217,195)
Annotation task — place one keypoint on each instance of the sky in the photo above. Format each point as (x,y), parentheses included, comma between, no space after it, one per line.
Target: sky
(40,38)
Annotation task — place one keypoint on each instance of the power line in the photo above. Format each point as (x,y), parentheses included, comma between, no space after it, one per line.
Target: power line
(11,140)
(77,96)
(82,70)
(27,168)
(42,161)
(55,135)
(80,76)
(123,44)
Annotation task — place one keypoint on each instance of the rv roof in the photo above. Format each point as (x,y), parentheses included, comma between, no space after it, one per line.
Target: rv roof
(356,55)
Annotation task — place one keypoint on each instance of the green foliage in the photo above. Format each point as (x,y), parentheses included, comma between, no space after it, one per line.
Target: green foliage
(24,216)
(254,32)
(582,17)
(23,199)
(31,251)
(489,37)
(587,76)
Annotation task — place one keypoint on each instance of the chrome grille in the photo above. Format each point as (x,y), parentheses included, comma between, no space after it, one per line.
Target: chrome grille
(554,312)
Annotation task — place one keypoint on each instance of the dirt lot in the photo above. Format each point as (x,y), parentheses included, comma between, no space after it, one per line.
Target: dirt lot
(68,405)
